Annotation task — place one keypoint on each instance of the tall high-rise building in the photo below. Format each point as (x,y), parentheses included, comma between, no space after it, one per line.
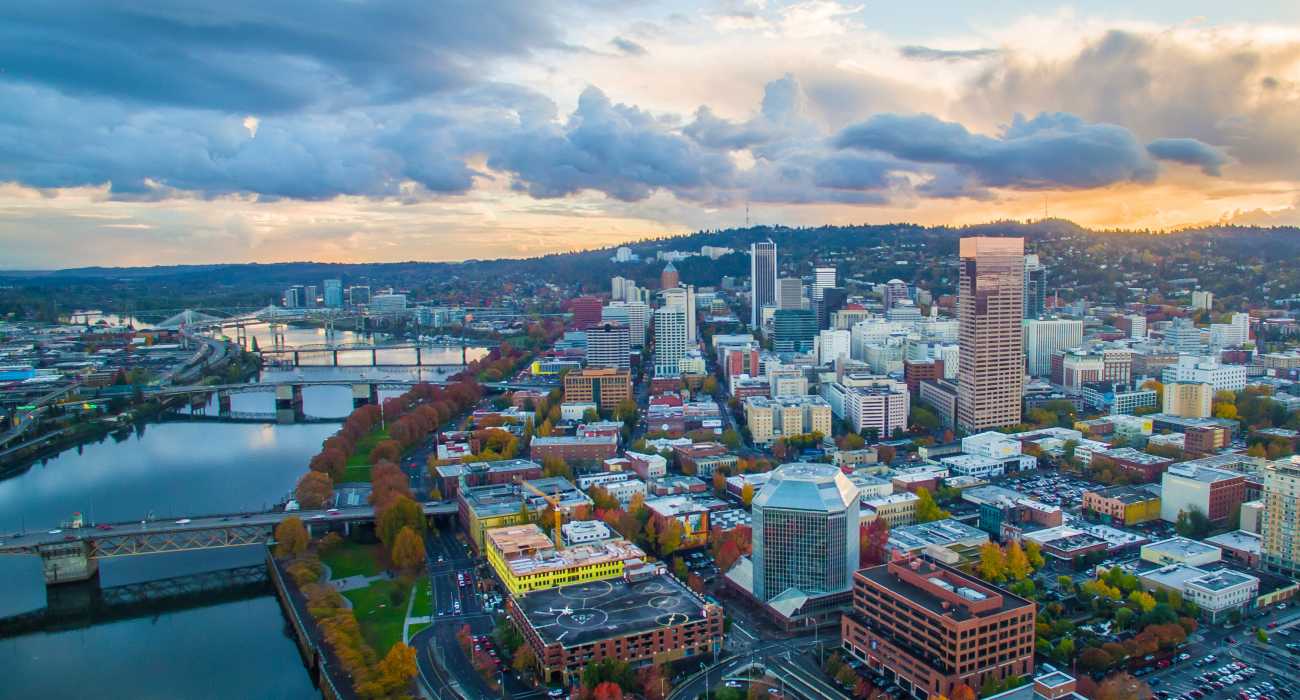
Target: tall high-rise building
(608,345)
(990,312)
(833,299)
(309,296)
(586,311)
(293,297)
(762,279)
(1035,287)
(669,277)
(793,330)
(618,288)
(334,294)
(1280,528)
(805,532)
(684,298)
(670,339)
(635,314)
(895,291)
(1043,337)
(789,293)
(823,278)
(1202,301)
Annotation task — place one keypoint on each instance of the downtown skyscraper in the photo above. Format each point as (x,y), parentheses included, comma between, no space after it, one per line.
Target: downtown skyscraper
(990,308)
(762,279)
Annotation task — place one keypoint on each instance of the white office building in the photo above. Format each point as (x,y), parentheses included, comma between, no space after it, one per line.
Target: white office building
(670,339)
(1046,336)
(1206,370)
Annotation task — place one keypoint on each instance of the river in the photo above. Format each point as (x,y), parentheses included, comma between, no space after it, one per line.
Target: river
(227,649)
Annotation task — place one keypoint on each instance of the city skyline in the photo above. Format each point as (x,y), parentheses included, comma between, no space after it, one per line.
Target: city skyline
(388,132)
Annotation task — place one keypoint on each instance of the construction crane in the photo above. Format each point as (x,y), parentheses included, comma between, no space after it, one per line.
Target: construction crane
(554,502)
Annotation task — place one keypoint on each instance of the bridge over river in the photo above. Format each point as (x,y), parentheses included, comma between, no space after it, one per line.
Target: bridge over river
(73,554)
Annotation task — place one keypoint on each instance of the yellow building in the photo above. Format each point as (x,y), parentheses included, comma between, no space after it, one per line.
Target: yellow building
(1188,399)
(769,419)
(1123,505)
(897,509)
(526,560)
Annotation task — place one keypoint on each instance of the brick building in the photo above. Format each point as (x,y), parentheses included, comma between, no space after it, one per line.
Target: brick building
(642,619)
(574,448)
(930,627)
(603,386)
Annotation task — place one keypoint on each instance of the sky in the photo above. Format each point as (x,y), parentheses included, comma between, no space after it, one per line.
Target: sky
(167,132)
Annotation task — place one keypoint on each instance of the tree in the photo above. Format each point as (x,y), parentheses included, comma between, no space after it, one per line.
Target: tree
(1122,686)
(993,563)
(747,494)
(387,482)
(961,691)
(1017,563)
(408,551)
(731,438)
(524,660)
(926,508)
(290,537)
(1261,635)
(554,466)
(1094,659)
(402,513)
(607,691)
(670,536)
(874,540)
(1143,600)
(719,482)
(314,490)
(397,669)
(1034,552)
(1193,523)
(1124,618)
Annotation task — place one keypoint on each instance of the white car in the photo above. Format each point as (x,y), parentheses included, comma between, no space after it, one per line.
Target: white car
(56,532)
(183,521)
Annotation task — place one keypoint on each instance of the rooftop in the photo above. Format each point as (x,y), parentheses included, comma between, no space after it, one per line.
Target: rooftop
(1128,454)
(936,587)
(1181,547)
(939,532)
(587,612)
(1208,475)
(1127,494)
(1221,580)
(1241,540)
(807,486)
(527,550)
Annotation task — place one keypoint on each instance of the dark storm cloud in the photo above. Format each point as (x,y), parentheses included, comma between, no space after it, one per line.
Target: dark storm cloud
(1048,151)
(1189,152)
(249,56)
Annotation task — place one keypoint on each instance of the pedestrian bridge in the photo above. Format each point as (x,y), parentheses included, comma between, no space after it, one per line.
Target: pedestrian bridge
(73,554)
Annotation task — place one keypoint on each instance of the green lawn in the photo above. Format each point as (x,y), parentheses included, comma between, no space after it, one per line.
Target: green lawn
(356,472)
(423,599)
(352,559)
(380,618)
(367,443)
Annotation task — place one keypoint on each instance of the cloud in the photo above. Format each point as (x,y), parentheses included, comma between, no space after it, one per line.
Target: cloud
(249,56)
(1052,150)
(925,53)
(627,46)
(1232,86)
(616,149)
(1189,152)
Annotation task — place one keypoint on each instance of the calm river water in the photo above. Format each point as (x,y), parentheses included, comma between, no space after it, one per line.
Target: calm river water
(233,648)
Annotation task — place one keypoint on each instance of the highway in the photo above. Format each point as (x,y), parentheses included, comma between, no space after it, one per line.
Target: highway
(22,543)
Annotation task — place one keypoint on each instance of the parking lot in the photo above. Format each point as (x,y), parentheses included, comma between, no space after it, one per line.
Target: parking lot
(1054,488)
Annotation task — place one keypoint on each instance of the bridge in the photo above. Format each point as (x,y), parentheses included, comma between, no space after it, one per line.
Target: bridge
(73,554)
(296,353)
